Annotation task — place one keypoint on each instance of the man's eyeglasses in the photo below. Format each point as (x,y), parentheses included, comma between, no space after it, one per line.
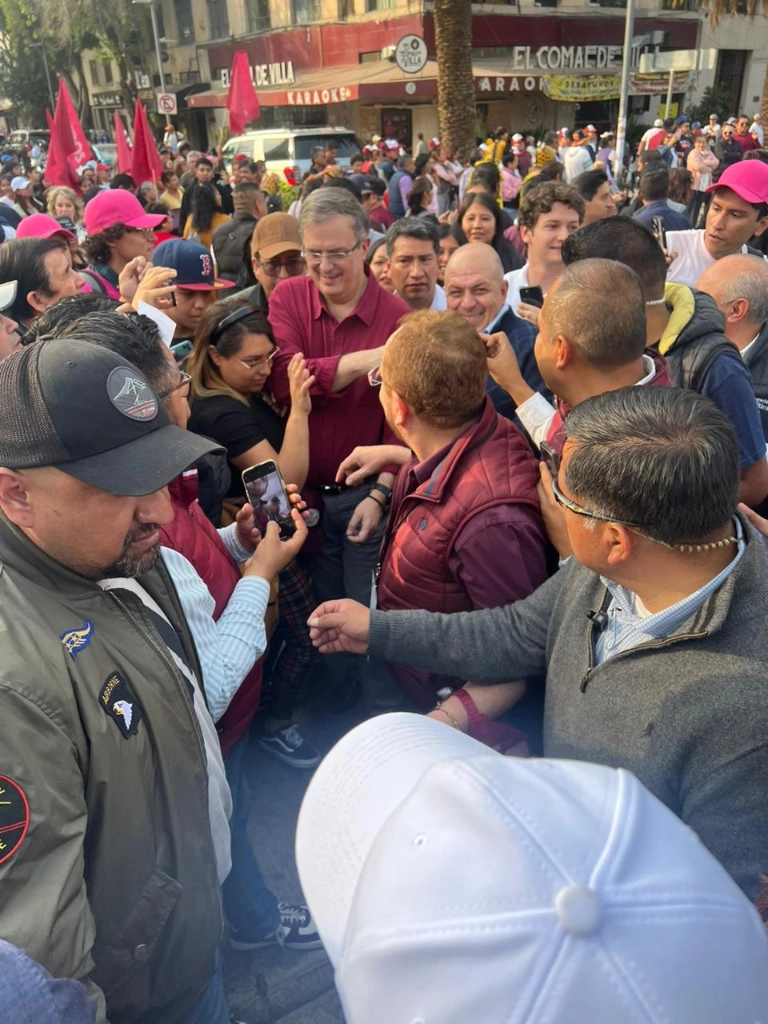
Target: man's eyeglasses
(374,377)
(255,363)
(184,382)
(294,266)
(578,510)
(315,257)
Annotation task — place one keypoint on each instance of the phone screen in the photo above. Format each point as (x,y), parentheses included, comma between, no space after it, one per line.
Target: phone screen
(532,296)
(660,232)
(269,500)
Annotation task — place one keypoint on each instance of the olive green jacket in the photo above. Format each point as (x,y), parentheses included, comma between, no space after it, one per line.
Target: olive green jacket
(107,870)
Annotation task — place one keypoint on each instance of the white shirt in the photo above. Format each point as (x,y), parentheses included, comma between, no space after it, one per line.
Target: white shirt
(439,302)
(758,128)
(577,159)
(693,257)
(516,279)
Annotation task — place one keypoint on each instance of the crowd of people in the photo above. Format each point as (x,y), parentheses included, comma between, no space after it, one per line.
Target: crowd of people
(519,411)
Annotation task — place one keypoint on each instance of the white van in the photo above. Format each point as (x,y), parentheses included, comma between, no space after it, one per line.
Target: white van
(290,147)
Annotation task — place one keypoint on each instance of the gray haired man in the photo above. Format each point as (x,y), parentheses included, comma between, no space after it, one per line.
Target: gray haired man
(651,636)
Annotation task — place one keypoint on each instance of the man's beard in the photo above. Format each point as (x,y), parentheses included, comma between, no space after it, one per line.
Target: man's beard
(128,565)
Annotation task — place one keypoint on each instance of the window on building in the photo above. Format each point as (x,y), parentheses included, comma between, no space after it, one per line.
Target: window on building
(380,5)
(680,5)
(346,9)
(306,11)
(257,13)
(369,57)
(607,3)
(94,68)
(545,3)
(184,20)
(219,18)
(108,76)
(731,66)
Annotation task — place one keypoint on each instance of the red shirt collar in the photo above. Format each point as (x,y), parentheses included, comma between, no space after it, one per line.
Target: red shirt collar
(366,308)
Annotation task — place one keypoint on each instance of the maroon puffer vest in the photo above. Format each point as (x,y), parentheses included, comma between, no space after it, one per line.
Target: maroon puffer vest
(491,464)
(193,535)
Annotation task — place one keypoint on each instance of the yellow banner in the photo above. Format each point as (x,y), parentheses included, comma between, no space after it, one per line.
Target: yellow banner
(580,88)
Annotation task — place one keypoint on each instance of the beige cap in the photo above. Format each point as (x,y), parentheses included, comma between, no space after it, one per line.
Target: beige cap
(275,234)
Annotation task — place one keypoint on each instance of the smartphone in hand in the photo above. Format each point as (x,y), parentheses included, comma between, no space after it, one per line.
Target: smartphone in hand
(265,489)
(532,296)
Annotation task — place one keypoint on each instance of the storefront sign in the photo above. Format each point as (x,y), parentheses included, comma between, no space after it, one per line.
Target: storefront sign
(108,99)
(316,97)
(580,88)
(565,58)
(411,54)
(507,83)
(266,75)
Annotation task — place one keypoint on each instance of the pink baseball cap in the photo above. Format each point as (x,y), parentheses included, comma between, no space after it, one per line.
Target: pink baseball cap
(117,206)
(40,225)
(748,179)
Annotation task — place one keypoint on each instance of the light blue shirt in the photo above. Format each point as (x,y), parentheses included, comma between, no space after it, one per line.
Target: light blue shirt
(626,629)
(228,647)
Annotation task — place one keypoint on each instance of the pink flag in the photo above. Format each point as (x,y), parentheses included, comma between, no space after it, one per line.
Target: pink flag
(124,146)
(58,165)
(146,164)
(82,151)
(242,101)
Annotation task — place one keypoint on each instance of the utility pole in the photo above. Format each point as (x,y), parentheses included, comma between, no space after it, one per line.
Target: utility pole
(626,67)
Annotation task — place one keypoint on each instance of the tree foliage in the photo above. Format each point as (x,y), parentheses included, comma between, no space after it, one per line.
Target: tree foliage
(116,29)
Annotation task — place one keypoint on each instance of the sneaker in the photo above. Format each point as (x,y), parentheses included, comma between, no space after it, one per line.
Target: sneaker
(290,747)
(295,931)
(297,928)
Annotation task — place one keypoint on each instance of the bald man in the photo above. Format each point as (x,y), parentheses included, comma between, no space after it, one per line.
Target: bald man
(475,288)
(739,286)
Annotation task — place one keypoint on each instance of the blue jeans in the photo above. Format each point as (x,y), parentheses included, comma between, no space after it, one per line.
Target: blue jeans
(249,906)
(211,1007)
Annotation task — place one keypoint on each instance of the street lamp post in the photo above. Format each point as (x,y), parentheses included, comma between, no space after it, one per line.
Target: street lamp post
(158,52)
(621,132)
(41,46)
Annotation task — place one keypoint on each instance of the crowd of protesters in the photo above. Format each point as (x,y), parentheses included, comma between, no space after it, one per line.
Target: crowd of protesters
(519,404)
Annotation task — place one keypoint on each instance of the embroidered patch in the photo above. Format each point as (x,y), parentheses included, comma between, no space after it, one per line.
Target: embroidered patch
(118,701)
(76,640)
(14,817)
(131,395)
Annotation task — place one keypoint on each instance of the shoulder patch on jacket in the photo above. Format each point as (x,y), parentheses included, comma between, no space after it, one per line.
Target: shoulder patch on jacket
(119,702)
(14,817)
(76,640)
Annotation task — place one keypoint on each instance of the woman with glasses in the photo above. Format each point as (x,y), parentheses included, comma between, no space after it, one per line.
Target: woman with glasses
(230,367)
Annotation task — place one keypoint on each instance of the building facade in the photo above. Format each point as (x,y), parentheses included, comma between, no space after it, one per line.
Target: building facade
(537,63)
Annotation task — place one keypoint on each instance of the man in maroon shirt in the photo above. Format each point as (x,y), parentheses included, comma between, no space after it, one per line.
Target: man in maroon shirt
(339,319)
(373,190)
(742,136)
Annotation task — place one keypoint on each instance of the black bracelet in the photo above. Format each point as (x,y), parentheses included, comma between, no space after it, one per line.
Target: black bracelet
(383,490)
(381,504)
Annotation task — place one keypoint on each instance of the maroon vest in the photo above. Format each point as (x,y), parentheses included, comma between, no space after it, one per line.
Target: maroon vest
(491,464)
(193,535)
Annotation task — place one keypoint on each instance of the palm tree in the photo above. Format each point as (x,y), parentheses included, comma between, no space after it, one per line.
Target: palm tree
(455,82)
(731,8)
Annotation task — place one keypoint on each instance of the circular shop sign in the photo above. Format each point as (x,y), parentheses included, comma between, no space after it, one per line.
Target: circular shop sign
(411,54)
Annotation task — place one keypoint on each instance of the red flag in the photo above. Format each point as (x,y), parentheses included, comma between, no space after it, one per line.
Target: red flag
(82,151)
(146,164)
(242,101)
(124,146)
(58,167)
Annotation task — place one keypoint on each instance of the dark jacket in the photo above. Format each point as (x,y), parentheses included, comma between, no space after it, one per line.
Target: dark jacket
(521,337)
(728,153)
(228,243)
(395,200)
(687,715)
(255,295)
(489,465)
(673,221)
(756,361)
(694,338)
(115,883)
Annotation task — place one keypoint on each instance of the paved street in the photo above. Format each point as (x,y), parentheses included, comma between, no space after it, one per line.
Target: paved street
(276,986)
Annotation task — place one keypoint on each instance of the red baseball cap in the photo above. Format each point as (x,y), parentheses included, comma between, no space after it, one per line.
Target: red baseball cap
(117,206)
(748,179)
(40,225)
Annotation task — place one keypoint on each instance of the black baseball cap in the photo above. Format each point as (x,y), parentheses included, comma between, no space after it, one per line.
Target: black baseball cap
(85,410)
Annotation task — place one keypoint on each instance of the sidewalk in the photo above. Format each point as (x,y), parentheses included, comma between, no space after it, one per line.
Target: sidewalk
(277,986)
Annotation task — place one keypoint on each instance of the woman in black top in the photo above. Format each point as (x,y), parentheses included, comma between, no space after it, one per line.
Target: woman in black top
(230,366)
(480,220)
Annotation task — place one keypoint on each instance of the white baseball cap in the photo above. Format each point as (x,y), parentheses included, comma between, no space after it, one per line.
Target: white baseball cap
(451,884)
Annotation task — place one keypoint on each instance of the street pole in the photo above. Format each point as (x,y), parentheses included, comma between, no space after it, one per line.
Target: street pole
(669,91)
(621,132)
(41,46)
(159,53)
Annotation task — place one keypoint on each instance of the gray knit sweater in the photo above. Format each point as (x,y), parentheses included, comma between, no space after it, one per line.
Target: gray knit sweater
(688,715)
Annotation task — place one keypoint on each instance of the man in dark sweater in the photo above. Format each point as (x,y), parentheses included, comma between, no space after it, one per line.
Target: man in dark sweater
(651,636)
(229,240)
